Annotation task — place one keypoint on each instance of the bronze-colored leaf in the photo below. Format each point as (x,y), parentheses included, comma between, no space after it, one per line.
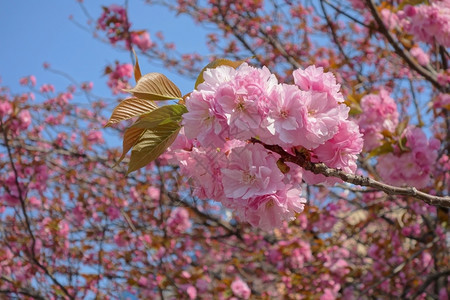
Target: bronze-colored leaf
(216,63)
(152,144)
(155,86)
(129,108)
(284,168)
(130,138)
(137,69)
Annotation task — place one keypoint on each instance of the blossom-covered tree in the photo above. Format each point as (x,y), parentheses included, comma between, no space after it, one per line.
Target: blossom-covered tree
(310,160)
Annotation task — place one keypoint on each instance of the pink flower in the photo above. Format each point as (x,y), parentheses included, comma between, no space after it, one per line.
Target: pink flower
(358,4)
(87,86)
(142,40)
(251,171)
(314,79)
(205,120)
(300,255)
(24,118)
(192,292)
(233,105)
(389,18)
(443,294)
(119,77)
(5,108)
(441,101)
(270,211)
(112,212)
(245,100)
(47,88)
(322,119)
(95,137)
(202,284)
(287,115)
(113,21)
(30,79)
(412,168)
(206,173)
(328,295)
(182,142)
(342,149)
(340,152)
(63,229)
(428,22)
(379,114)
(179,222)
(240,289)
(420,55)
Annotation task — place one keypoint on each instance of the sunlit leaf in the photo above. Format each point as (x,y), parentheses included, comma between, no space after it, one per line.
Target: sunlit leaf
(137,69)
(152,144)
(402,144)
(385,148)
(130,138)
(282,166)
(155,86)
(402,126)
(353,101)
(163,115)
(216,63)
(410,2)
(130,108)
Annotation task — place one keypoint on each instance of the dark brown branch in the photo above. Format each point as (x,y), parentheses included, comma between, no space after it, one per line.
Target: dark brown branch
(320,168)
(22,198)
(400,51)
(430,279)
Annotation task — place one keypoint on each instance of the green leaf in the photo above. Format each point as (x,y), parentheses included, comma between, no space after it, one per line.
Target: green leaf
(402,144)
(353,101)
(155,86)
(160,116)
(130,108)
(152,144)
(410,2)
(385,148)
(402,126)
(130,138)
(216,63)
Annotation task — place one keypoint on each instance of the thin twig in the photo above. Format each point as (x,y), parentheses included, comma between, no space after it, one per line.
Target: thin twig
(22,198)
(400,51)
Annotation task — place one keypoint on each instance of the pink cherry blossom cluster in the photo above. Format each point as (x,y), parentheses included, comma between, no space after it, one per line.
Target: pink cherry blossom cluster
(401,167)
(412,167)
(178,221)
(112,21)
(428,23)
(234,105)
(119,76)
(141,39)
(16,120)
(379,114)
(240,289)
(115,24)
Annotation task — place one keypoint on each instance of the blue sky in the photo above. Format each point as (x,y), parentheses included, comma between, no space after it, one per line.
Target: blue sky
(35,32)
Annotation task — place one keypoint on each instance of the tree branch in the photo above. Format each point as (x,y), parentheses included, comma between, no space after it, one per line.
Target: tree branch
(430,279)
(400,51)
(22,198)
(320,168)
